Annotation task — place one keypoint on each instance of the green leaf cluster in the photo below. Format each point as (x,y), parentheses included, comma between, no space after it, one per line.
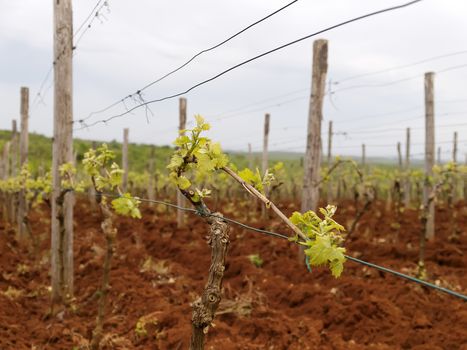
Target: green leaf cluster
(252,178)
(195,154)
(259,182)
(127,205)
(256,260)
(107,176)
(324,237)
(36,188)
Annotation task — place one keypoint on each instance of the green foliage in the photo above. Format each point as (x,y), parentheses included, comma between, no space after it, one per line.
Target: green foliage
(195,154)
(198,155)
(106,175)
(140,329)
(256,260)
(127,205)
(260,182)
(252,178)
(36,188)
(67,173)
(323,238)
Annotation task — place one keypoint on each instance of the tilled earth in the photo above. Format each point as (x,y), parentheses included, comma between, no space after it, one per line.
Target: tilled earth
(158,270)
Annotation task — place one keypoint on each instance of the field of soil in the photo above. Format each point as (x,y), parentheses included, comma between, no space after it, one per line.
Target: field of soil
(158,270)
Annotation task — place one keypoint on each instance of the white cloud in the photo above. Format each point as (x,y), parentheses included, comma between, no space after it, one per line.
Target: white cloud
(141,40)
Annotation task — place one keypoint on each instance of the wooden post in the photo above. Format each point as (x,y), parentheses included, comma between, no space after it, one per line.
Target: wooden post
(310,194)
(182,126)
(265,160)
(126,131)
(6,161)
(329,191)
(151,184)
(363,156)
(14,148)
(13,169)
(62,201)
(329,143)
(5,171)
(438,159)
(399,155)
(454,159)
(250,157)
(464,179)
(429,153)
(23,147)
(407,168)
(92,191)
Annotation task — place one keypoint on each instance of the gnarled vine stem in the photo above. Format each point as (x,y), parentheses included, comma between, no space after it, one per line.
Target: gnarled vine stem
(204,308)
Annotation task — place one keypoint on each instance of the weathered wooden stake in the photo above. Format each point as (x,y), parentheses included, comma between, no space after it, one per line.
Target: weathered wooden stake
(62,202)
(14,169)
(14,148)
(363,156)
(399,155)
(151,184)
(6,161)
(454,159)
(438,159)
(5,171)
(23,147)
(126,132)
(429,153)
(265,159)
(250,157)
(310,194)
(329,158)
(407,187)
(464,179)
(92,194)
(181,128)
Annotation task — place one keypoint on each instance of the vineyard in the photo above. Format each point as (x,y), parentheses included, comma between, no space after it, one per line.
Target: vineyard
(196,245)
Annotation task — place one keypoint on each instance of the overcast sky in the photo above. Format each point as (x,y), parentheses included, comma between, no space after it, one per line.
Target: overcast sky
(135,42)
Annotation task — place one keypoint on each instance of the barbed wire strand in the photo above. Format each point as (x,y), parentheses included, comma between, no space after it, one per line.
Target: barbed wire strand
(97,15)
(189,61)
(355,19)
(40,95)
(91,13)
(285,237)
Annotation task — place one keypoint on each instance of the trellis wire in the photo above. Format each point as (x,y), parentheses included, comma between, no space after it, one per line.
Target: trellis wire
(283,236)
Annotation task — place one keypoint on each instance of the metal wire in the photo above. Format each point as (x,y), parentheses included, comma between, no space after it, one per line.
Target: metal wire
(284,236)
(189,61)
(168,97)
(407,277)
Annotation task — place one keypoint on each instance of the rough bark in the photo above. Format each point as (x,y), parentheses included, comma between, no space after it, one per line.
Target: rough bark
(204,309)
(407,186)
(429,153)
(182,126)
(110,233)
(310,194)
(126,131)
(23,160)
(62,230)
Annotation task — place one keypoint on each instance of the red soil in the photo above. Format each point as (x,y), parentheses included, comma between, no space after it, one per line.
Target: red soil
(279,305)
